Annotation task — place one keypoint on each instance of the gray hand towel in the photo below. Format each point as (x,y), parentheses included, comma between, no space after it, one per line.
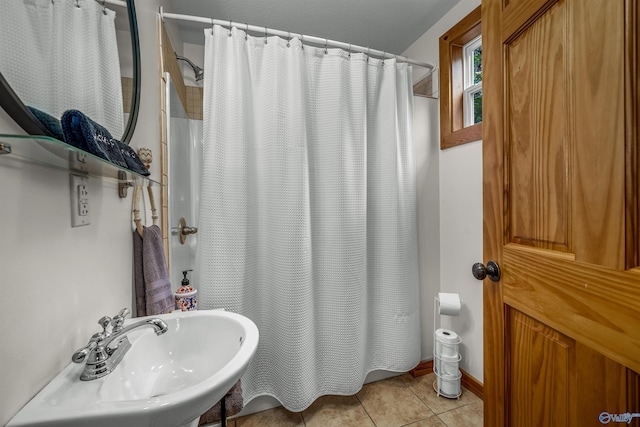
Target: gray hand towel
(138,275)
(159,298)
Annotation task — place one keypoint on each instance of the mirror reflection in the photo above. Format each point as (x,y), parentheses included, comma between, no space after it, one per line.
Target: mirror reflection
(60,55)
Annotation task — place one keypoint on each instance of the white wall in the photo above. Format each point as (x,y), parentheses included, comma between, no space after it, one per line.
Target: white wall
(57,281)
(458,177)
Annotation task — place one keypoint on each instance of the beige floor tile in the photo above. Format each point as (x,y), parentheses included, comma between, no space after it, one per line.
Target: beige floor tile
(464,416)
(423,388)
(276,417)
(433,421)
(390,403)
(336,411)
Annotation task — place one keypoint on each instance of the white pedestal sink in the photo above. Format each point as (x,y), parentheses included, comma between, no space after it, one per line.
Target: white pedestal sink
(162,381)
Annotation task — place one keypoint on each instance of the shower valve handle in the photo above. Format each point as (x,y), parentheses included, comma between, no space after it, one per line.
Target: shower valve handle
(182,231)
(189,230)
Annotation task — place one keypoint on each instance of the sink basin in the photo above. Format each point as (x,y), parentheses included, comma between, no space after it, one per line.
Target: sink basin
(162,381)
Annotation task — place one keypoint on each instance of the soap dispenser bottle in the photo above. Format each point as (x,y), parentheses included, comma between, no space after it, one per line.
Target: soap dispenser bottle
(186,295)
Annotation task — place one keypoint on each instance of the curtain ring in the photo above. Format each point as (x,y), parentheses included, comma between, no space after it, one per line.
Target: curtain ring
(246,31)
(325,46)
(230,27)
(265,35)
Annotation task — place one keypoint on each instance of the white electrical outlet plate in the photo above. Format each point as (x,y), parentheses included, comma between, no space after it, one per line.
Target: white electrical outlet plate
(79,200)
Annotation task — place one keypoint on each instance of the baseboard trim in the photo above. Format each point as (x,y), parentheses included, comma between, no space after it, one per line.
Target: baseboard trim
(472,384)
(425,367)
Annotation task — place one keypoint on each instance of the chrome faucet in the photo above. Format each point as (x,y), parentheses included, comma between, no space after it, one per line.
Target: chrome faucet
(106,349)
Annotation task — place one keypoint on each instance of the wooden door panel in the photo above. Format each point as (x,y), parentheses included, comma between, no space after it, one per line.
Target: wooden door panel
(556,381)
(519,13)
(602,386)
(599,132)
(632,136)
(537,152)
(540,372)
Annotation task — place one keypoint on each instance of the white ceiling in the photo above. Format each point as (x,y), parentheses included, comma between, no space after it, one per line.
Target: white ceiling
(387,25)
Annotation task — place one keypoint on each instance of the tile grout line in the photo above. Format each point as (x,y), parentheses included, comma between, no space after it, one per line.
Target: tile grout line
(425,404)
(365,410)
(304,422)
(449,410)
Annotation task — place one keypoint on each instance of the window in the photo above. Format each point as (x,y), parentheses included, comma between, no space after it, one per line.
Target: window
(472,98)
(461,82)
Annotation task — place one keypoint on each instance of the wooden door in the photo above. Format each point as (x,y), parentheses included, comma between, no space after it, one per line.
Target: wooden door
(561,212)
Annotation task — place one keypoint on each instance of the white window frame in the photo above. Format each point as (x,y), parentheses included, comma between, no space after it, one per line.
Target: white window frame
(470,89)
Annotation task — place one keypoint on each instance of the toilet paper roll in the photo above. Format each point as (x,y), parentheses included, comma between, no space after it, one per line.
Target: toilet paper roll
(449,386)
(450,304)
(446,343)
(447,336)
(446,367)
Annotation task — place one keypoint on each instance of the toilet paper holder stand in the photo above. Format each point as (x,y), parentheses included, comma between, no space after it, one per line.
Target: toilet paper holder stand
(450,380)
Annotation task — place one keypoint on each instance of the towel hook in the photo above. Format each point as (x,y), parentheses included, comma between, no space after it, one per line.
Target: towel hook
(367,53)
(78,4)
(104,7)
(349,50)
(246,31)
(211,26)
(325,46)
(265,35)
(302,41)
(289,40)
(384,54)
(230,27)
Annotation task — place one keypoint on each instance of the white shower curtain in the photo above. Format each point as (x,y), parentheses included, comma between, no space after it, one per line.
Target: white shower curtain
(61,55)
(308,212)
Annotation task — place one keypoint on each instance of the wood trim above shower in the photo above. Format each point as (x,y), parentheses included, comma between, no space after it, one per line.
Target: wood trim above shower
(170,65)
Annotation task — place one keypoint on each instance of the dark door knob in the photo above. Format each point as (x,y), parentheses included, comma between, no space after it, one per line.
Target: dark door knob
(492,270)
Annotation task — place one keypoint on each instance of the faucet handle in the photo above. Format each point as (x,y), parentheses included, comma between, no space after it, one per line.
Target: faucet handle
(118,320)
(82,353)
(124,312)
(104,322)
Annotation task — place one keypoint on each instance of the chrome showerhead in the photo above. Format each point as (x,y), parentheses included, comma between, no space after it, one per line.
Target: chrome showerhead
(199,72)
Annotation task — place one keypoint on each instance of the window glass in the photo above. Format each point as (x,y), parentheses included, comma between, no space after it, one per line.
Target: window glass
(472,66)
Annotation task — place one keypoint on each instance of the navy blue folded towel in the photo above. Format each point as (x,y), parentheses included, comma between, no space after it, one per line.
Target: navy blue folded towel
(133,161)
(82,132)
(51,123)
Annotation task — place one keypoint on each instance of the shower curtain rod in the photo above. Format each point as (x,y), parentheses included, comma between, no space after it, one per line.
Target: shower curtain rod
(286,34)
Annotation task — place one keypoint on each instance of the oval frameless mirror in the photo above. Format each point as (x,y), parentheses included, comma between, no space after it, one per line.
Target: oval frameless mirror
(16,107)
